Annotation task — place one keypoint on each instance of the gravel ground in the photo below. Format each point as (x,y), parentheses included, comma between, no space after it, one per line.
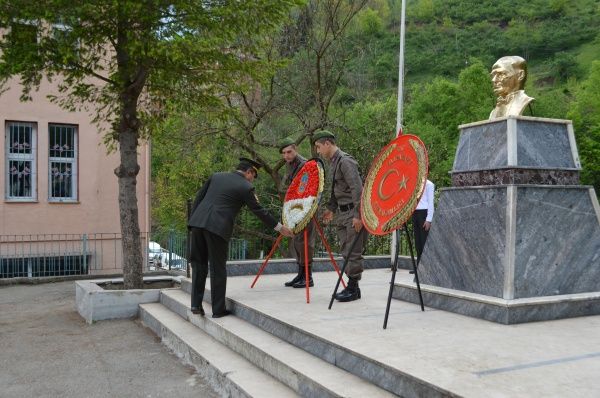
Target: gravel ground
(47,350)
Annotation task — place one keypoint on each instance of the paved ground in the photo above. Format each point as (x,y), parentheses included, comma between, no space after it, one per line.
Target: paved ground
(47,350)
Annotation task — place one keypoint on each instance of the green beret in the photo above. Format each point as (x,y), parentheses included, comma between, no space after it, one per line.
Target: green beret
(322,134)
(287,141)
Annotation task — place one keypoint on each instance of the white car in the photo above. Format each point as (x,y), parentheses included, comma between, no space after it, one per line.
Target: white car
(159,257)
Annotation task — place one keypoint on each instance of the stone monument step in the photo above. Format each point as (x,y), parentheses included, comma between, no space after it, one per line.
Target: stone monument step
(304,373)
(500,310)
(370,369)
(227,372)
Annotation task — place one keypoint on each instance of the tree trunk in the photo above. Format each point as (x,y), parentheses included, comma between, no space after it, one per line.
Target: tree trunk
(128,205)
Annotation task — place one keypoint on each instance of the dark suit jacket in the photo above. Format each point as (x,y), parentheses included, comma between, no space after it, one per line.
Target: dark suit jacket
(220,200)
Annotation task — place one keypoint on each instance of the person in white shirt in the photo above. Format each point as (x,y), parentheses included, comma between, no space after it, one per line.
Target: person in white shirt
(422,217)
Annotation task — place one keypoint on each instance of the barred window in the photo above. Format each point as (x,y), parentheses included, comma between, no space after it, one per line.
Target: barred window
(62,163)
(20,146)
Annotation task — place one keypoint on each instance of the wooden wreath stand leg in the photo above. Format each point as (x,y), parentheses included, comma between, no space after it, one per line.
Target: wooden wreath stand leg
(306,276)
(395,268)
(260,271)
(328,248)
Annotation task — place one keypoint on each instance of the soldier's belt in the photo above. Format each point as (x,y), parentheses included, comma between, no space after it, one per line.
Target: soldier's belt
(347,207)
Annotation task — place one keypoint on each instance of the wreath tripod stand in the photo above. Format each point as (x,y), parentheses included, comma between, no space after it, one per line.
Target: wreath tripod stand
(394,269)
(327,247)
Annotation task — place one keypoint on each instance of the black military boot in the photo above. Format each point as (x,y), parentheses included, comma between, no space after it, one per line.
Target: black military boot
(350,293)
(297,277)
(302,281)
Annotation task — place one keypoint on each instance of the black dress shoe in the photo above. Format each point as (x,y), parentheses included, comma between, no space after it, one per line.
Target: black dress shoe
(293,281)
(222,314)
(302,283)
(197,310)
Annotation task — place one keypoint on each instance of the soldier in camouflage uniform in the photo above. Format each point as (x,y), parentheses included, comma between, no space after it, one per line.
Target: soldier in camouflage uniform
(344,203)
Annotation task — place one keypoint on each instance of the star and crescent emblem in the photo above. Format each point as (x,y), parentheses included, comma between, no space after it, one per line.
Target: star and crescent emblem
(401,184)
(394,184)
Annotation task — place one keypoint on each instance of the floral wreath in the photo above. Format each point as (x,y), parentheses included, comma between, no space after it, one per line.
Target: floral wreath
(303,196)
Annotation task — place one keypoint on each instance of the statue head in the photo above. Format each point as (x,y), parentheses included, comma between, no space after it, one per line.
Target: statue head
(509,75)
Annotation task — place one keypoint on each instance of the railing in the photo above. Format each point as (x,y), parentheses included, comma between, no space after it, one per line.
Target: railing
(48,255)
(249,247)
(45,255)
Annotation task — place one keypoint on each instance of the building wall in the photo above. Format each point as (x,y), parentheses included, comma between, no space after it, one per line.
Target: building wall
(96,209)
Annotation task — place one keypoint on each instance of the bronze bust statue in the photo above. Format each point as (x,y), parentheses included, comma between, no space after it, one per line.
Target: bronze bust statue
(508,77)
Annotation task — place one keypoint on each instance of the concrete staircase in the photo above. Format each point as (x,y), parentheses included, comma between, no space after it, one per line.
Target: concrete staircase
(253,354)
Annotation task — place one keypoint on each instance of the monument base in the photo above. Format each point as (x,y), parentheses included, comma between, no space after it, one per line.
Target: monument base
(513,253)
(501,310)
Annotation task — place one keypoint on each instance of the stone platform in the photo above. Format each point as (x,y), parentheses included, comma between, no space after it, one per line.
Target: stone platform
(421,354)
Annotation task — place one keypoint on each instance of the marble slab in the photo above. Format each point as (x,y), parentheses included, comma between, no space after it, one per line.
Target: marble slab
(466,245)
(557,243)
(542,144)
(517,142)
(515,176)
(514,242)
(506,312)
(482,147)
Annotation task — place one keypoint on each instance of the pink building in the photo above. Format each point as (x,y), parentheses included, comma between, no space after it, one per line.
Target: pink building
(59,190)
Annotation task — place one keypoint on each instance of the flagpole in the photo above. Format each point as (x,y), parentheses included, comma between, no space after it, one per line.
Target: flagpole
(400,95)
(401,70)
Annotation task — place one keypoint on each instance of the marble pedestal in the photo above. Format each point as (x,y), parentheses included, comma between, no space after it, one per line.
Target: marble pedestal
(508,252)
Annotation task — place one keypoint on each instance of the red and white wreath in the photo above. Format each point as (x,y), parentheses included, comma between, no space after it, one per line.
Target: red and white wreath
(303,195)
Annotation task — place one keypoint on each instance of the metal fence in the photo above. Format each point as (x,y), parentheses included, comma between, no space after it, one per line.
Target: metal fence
(45,255)
(248,247)
(48,255)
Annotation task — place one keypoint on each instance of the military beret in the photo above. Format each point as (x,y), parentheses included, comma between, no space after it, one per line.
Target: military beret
(322,134)
(252,163)
(287,141)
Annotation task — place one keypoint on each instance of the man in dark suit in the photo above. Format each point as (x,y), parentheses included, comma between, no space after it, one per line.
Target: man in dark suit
(213,215)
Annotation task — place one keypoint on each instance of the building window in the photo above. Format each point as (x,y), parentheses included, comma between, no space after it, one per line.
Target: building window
(62,163)
(21,161)
(23,33)
(65,46)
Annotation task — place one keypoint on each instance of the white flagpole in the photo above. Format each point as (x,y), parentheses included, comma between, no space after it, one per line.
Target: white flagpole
(401,69)
(400,95)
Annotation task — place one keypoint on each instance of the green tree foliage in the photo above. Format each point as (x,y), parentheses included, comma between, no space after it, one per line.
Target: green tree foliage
(452,31)
(435,110)
(351,88)
(585,113)
(115,55)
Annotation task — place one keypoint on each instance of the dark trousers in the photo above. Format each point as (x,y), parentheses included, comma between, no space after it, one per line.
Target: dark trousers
(418,219)
(209,249)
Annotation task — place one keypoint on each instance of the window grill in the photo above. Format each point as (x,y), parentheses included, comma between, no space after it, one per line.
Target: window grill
(62,167)
(20,145)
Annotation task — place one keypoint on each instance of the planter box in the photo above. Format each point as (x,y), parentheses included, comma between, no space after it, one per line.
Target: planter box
(94,303)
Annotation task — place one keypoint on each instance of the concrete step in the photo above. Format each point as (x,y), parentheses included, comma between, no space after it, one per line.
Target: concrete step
(304,373)
(375,372)
(228,373)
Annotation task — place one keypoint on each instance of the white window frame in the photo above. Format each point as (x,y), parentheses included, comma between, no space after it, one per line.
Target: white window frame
(30,22)
(65,28)
(21,157)
(73,161)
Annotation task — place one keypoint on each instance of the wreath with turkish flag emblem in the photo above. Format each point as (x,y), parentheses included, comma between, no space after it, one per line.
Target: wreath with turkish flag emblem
(303,196)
